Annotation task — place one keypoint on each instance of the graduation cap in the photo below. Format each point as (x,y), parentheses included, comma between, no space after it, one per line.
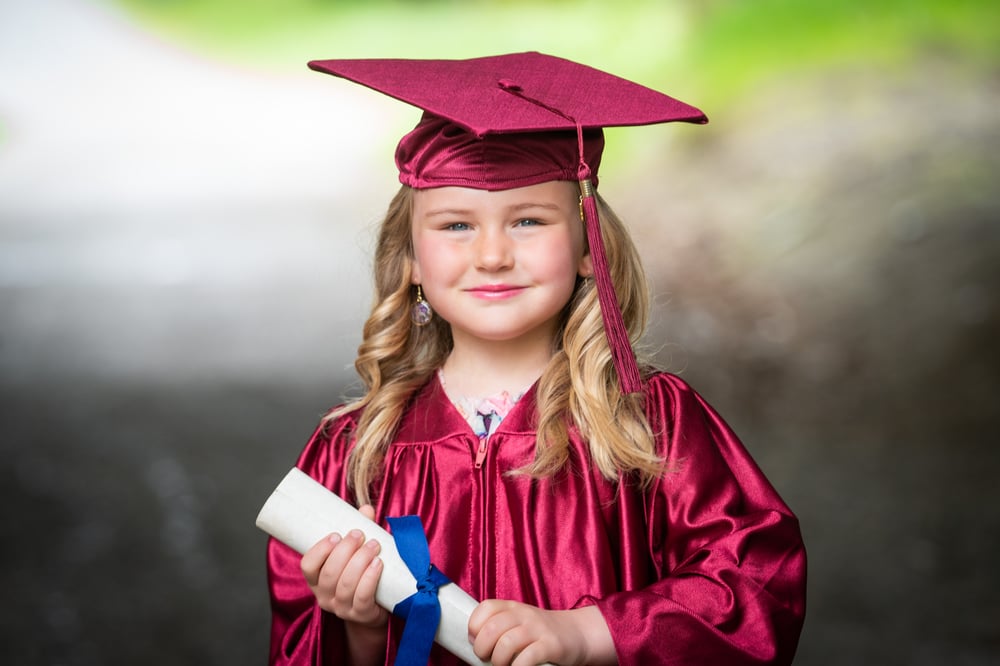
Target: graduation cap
(515,120)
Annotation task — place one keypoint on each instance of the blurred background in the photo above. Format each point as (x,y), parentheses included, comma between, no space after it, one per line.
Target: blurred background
(186,216)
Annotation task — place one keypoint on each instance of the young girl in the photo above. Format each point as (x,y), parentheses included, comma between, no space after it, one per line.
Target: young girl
(601,508)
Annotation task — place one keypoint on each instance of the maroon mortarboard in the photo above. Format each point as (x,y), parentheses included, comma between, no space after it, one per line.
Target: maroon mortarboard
(515,120)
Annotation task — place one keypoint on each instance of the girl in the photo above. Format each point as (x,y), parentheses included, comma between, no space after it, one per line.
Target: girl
(601,508)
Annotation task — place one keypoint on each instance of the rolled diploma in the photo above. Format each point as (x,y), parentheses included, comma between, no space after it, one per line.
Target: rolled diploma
(301,511)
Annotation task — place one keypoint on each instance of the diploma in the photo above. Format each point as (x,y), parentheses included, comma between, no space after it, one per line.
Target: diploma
(302,511)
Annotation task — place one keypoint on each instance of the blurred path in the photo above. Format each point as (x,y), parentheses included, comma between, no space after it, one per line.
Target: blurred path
(157,206)
(183,272)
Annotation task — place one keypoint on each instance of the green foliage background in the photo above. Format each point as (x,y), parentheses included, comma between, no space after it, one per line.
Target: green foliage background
(711,49)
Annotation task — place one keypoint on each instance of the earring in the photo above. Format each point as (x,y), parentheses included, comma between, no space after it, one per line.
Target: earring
(421,313)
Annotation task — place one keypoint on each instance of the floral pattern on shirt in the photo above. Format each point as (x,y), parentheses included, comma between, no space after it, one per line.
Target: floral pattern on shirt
(484,415)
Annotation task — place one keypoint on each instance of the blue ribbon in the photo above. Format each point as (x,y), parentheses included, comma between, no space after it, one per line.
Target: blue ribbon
(422,610)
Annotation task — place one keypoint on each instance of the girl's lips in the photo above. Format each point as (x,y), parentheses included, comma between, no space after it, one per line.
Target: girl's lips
(495,292)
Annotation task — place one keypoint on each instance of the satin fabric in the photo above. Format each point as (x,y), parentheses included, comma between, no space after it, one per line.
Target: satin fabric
(437,153)
(705,567)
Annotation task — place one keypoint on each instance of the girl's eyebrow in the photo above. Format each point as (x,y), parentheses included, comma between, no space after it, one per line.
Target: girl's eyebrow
(448,211)
(513,207)
(534,204)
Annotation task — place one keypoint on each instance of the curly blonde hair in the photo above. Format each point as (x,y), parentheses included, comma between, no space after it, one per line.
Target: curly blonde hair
(578,389)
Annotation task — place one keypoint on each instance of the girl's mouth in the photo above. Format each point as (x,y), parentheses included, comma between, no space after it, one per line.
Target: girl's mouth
(495,292)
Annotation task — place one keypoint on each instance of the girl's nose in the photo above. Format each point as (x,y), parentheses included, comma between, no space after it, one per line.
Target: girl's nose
(494,251)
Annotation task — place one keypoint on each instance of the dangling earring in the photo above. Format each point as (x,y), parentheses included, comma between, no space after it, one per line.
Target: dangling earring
(421,313)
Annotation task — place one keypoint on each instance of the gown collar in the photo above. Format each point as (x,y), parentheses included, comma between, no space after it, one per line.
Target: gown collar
(432,400)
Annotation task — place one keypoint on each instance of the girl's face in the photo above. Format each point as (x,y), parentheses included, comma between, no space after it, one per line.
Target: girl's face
(499,266)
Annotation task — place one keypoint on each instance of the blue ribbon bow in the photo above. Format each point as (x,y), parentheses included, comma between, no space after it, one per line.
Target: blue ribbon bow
(422,610)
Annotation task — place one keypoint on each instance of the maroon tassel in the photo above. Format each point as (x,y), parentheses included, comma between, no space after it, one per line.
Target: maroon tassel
(614,325)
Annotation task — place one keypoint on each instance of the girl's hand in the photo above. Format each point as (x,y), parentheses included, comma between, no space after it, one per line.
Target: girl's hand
(509,633)
(343,573)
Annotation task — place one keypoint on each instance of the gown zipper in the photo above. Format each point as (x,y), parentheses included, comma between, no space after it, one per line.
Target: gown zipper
(481,452)
(483,440)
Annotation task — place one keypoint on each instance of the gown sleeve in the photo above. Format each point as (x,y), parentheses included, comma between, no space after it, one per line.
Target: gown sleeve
(725,552)
(302,633)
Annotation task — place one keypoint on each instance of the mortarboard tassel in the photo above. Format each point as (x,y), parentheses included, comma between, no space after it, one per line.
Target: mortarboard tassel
(614,324)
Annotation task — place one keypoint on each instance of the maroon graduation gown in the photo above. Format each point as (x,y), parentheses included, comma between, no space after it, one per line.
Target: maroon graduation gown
(706,567)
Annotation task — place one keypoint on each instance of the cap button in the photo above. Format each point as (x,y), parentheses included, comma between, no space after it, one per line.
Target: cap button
(507,84)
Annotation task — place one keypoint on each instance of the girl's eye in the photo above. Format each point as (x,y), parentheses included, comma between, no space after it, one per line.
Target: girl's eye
(457,226)
(528,222)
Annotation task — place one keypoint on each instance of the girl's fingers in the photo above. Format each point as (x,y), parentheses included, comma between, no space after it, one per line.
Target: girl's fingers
(317,561)
(489,627)
(343,573)
(531,655)
(333,569)
(364,595)
(508,645)
(354,570)
(482,613)
(314,558)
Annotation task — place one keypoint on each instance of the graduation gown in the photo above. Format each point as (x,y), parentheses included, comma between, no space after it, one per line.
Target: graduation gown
(705,567)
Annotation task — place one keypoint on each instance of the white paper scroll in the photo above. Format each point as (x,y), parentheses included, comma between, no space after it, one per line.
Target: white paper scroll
(302,511)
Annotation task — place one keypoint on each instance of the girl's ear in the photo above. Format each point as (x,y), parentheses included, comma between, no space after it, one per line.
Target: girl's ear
(415,272)
(586,267)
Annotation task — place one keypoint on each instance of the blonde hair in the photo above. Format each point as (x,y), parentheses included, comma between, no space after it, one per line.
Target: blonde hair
(579,387)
